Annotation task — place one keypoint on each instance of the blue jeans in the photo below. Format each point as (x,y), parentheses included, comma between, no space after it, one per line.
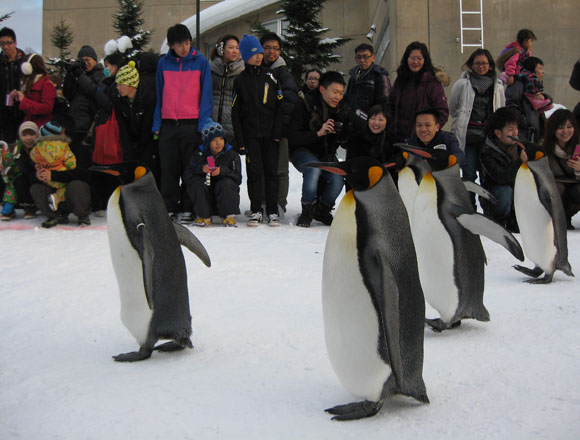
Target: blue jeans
(503,209)
(311,177)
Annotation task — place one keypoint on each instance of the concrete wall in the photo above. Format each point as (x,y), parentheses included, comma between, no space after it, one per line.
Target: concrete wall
(91,21)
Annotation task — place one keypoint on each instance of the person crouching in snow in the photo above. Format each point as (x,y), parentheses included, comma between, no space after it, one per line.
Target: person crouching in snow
(213,178)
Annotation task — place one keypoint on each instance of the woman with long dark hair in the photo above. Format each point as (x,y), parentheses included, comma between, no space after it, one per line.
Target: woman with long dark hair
(37,93)
(561,138)
(416,88)
(226,64)
(474,98)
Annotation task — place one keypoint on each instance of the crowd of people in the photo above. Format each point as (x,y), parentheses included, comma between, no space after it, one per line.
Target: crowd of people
(190,119)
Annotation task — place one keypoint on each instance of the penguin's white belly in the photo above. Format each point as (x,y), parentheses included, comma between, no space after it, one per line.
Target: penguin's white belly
(535,223)
(435,257)
(408,189)
(135,312)
(350,319)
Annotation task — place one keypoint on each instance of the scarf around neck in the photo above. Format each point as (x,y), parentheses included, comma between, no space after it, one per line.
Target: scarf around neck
(480,82)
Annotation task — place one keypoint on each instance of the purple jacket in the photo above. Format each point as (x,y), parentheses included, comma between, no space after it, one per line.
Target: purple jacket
(430,95)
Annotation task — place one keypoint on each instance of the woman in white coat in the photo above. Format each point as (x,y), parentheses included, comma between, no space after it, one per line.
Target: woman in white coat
(474,98)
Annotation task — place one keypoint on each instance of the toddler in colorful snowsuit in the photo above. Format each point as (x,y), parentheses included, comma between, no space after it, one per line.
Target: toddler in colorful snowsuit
(52,152)
(27,137)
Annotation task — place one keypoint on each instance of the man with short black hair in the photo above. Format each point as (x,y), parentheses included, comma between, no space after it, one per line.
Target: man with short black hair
(272,45)
(428,134)
(184,101)
(368,85)
(11,58)
(314,137)
(500,162)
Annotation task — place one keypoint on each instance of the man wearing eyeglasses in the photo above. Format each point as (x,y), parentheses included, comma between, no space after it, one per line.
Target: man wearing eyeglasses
(272,45)
(10,74)
(368,85)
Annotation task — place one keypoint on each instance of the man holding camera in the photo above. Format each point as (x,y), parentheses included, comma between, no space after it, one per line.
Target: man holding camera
(316,130)
(80,85)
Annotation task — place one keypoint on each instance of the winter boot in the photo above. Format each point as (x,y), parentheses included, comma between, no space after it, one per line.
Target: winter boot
(307,214)
(322,213)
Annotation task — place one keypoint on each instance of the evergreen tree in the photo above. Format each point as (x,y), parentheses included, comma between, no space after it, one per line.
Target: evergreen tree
(304,47)
(6,16)
(61,37)
(128,21)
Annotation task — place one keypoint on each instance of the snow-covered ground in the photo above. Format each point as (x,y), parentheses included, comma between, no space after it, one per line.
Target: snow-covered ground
(259,369)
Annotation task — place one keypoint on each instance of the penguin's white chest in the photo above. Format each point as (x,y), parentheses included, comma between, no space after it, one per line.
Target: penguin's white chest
(350,319)
(435,257)
(135,312)
(535,223)
(408,189)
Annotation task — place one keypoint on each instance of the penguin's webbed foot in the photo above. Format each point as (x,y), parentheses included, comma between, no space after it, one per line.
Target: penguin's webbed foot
(545,280)
(174,345)
(438,325)
(355,410)
(134,356)
(535,272)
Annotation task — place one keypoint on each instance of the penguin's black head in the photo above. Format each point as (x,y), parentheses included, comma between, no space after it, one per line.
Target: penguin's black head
(361,173)
(437,157)
(533,150)
(126,172)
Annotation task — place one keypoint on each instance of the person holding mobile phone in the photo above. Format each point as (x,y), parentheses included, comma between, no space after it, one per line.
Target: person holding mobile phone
(213,178)
(562,145)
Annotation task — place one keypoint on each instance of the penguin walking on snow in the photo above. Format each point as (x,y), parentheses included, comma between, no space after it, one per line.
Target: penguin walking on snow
(148,262)
(373,305)
(541,218)
(446,232)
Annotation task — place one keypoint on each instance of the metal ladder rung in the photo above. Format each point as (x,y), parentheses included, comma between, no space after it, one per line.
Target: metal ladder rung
(471,29)
(471,45)
(471,12)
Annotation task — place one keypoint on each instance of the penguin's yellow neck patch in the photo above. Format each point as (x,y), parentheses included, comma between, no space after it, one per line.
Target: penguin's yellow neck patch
(524,165)
(140,172)
(375,174)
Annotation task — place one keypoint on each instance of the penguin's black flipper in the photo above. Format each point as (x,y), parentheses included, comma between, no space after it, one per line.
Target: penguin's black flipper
(481,225)
(191,242)
(134,356)
(535,272)
(355,410)
(147,256)
(479,190)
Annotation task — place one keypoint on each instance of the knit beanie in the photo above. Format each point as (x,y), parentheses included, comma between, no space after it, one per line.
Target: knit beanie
(87,51)
(250,46)
(210,131)
(51,128)
(128,75)
(28,125)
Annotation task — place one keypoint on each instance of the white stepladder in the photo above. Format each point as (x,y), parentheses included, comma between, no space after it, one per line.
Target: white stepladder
(474,40)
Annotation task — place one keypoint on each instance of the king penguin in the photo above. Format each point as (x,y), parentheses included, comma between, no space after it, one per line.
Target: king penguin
(373,305)
(148,262)
(446,232)
(541,218)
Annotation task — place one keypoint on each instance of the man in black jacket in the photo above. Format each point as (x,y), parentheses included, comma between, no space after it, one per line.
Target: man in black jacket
(10,60)
(368,85)
(316,129)
(272,45)
(500,162)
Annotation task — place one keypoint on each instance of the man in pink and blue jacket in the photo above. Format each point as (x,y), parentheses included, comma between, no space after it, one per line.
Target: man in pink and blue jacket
(184,100)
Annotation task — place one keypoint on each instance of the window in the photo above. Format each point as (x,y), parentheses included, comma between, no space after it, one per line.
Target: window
(278,26)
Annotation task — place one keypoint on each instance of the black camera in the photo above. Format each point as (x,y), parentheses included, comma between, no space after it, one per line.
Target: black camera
(338,126)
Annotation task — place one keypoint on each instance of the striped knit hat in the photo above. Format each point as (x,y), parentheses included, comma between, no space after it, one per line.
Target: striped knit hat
(51,128)
(128,75)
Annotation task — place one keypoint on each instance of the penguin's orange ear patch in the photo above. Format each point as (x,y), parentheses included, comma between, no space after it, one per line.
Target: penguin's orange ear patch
(539,155)
(140,172)
(375,174)
(452,160)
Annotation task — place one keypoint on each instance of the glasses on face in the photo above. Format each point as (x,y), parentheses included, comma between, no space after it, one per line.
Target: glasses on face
(419,59)
(480,64)
(362,57)
(272,48)
(6,43)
